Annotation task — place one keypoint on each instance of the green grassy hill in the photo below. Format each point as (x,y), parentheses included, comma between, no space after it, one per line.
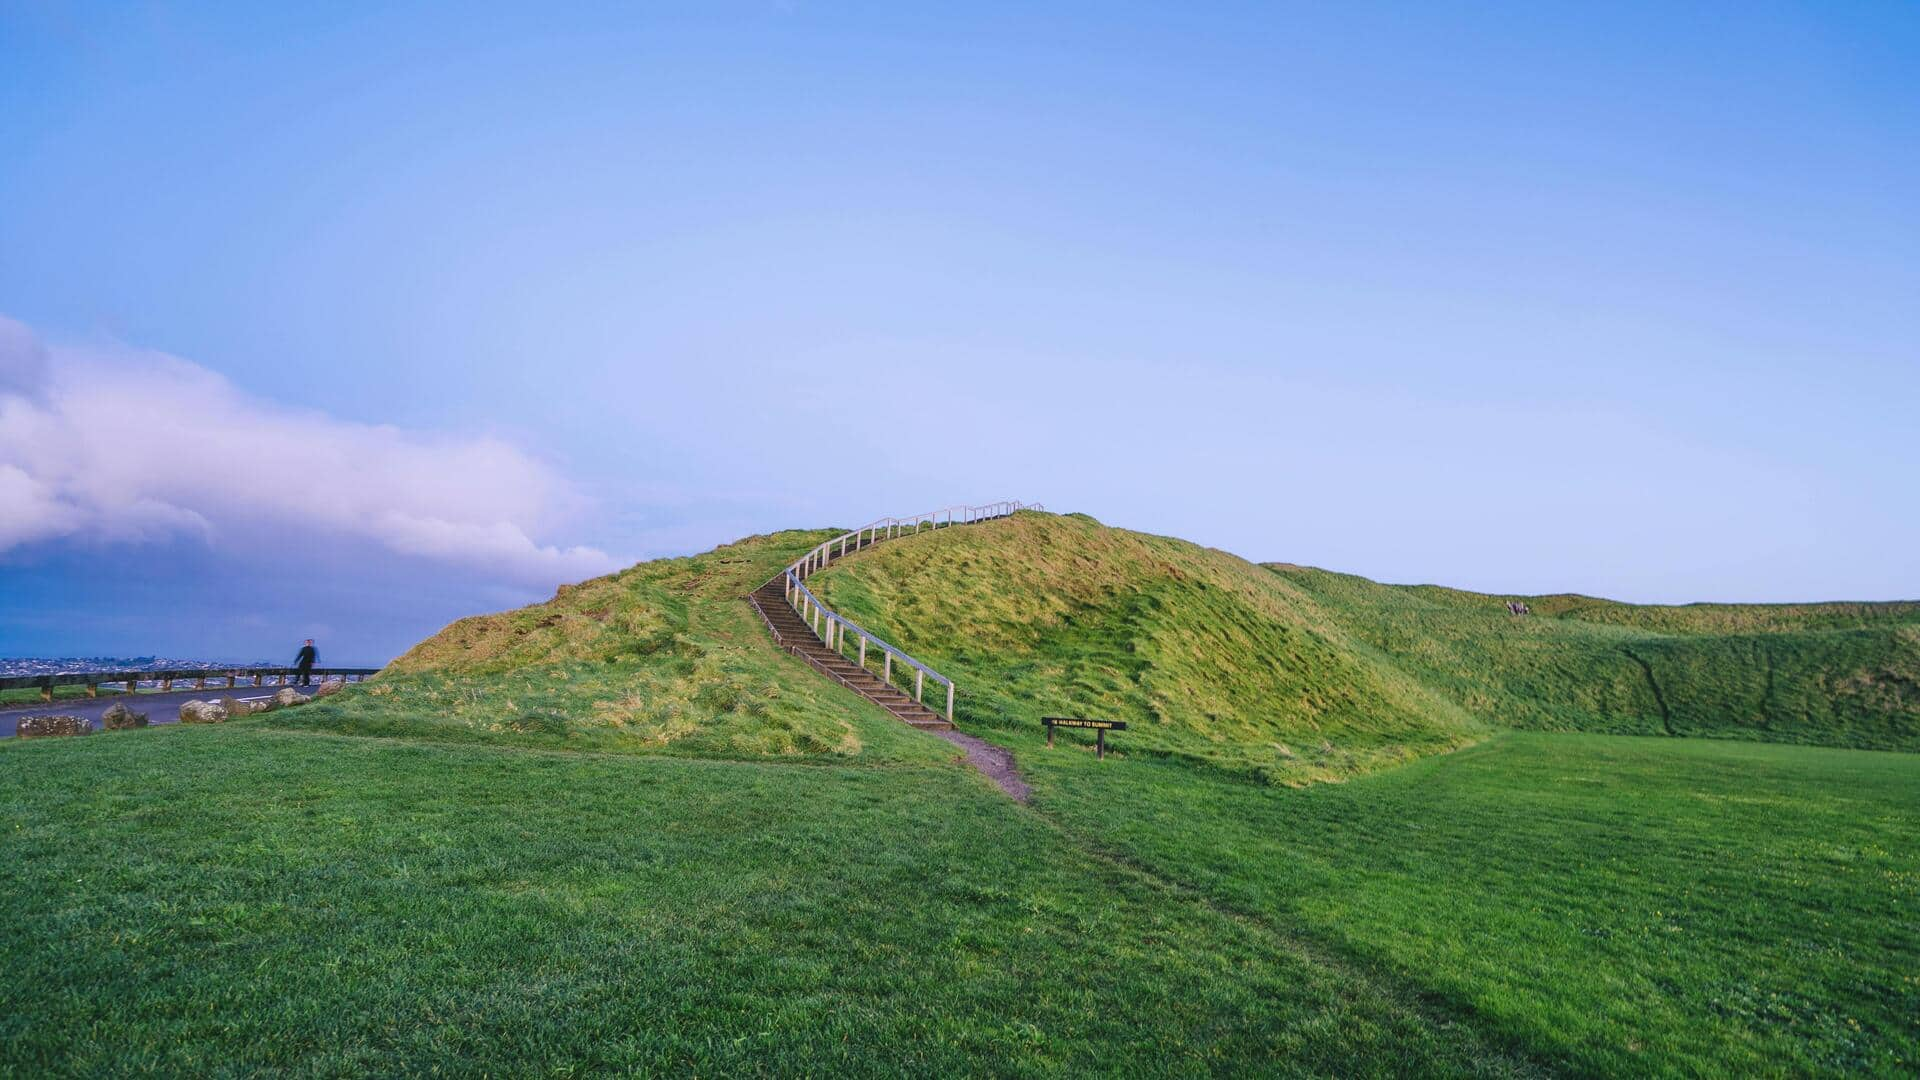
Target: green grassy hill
(1208,656)
(1301,674)
(1827,674)
(663,657)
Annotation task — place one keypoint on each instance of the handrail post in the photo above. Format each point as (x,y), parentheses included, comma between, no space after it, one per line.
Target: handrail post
(919,683)
(863,652)
(889,668)
(949,703)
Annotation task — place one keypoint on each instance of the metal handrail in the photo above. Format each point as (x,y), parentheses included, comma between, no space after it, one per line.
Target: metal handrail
(165,678)
(830,626)
(859,631)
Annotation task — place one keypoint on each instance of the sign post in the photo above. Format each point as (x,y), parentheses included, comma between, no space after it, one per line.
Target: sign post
(1099,727)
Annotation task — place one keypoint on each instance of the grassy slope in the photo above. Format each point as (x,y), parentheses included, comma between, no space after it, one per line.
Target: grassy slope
(1301,674)
(1625,906)
(663,657)
(217,900)
(1835,674)
(1206,655)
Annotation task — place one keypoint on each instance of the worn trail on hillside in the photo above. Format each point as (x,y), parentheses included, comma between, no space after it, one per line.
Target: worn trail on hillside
(996,762)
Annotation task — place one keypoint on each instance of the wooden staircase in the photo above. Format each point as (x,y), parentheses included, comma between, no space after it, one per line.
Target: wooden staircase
(792,633)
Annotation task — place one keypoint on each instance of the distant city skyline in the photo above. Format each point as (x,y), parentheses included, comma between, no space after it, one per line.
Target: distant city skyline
(343,322)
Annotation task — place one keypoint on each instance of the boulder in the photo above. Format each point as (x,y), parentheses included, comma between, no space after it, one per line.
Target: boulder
(326,688)
(202,712)
(33,727)
(237,708)
(118,717)
(289,696)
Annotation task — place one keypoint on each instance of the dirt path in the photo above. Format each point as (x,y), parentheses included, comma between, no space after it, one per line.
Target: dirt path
(994,761)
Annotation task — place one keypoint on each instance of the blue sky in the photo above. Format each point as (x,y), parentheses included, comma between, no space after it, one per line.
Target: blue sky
(455,303)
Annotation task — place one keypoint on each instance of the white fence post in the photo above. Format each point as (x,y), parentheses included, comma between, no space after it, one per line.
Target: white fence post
(919,683)
(949,703)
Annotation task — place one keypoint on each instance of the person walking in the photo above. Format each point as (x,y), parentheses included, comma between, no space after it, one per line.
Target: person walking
(304,661)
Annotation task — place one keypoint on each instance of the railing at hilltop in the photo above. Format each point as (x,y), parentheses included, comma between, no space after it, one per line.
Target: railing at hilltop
(831,627)
(164,680)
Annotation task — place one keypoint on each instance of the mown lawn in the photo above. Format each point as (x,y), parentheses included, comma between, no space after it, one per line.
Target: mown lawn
(243,898)
(256,897)
(1630,906)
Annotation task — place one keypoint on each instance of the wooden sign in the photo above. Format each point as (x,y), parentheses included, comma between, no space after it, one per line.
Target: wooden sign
(1100,729)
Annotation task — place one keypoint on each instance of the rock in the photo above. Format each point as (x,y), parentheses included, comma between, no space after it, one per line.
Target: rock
(289,696)
(237,708)
(118,717)
(327,688)
(32,727)
(202,712)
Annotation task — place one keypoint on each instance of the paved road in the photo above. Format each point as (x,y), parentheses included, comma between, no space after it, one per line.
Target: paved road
(162,708)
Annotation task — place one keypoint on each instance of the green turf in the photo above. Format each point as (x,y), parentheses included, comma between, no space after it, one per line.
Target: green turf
(662,658)
(1209,656)
(235,899)
(1627,906)
(1294,674)
(1831,674)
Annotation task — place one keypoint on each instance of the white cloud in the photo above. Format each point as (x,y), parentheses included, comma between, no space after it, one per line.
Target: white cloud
(119,444)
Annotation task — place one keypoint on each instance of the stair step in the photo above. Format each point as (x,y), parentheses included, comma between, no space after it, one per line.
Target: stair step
(896,702)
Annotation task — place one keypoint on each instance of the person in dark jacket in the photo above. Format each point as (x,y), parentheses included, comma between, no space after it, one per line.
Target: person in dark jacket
(304,661)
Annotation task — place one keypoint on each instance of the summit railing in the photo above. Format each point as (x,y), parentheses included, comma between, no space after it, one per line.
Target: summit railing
(831,627)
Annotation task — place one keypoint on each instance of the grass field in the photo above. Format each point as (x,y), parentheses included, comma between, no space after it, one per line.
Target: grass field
(1619,905)
(242,898)
(250,897)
